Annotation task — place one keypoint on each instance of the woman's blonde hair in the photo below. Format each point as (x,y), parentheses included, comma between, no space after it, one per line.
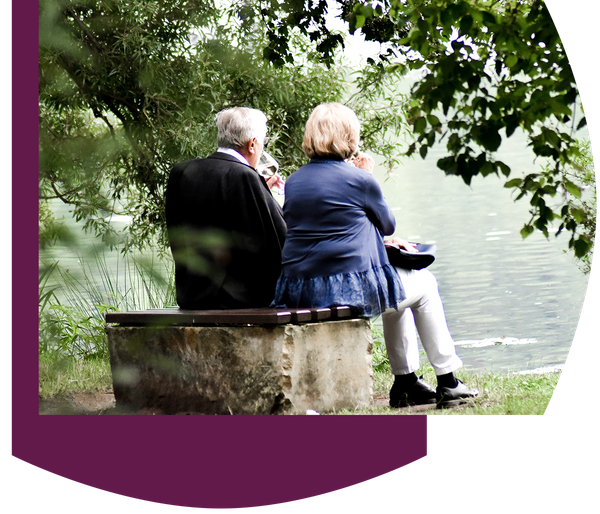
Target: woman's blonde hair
(333,130)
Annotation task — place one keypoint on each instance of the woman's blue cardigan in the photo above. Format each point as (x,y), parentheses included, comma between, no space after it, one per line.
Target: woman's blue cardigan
(334,253)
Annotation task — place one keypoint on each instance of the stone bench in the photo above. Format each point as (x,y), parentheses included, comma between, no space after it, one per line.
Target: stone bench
(243,361)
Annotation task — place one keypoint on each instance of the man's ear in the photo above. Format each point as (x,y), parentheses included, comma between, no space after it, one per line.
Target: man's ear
(248,148)
(250,152)
(251,146)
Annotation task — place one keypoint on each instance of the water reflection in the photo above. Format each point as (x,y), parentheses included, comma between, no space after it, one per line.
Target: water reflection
(493,283)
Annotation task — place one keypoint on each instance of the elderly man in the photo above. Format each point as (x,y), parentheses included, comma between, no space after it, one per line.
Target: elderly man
(225,228)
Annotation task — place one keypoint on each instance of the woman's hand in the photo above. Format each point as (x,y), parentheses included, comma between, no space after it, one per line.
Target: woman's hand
(364,161)
(409,247)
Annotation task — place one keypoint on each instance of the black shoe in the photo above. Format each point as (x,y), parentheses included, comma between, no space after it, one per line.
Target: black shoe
(420,393)
(446,396)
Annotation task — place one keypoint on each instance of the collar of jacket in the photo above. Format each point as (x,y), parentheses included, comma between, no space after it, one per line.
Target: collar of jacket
(233,153)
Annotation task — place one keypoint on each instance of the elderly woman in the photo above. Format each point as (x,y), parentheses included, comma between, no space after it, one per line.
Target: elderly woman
(334,254)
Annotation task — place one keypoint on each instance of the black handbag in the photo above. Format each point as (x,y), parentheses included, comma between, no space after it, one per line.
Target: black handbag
(400,258)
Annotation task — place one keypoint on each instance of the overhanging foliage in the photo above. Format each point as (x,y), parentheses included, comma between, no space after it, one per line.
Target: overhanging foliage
(128,88)
(488,69)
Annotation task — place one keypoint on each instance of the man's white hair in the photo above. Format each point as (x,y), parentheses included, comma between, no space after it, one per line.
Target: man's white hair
(238,125)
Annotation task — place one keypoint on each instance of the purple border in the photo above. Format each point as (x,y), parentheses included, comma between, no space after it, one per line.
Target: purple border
(195,461)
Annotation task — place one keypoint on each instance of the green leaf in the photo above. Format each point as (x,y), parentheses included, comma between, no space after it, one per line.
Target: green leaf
(466,23)
(448,165)
(581,247)
(487,168)
(420,125)
(582,123)
(526,231)
(367,11)
(503,168)
(488,18)
(490,138)
(511,123)
(579,215)
(572,188)
(552,138)
(445,18)
(433,120)
(511,60)
(515,182)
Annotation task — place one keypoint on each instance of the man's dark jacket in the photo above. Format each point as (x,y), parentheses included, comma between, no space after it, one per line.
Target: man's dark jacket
(226,233)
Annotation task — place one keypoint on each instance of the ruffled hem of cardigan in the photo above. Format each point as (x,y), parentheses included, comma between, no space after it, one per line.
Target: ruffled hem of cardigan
(368,293)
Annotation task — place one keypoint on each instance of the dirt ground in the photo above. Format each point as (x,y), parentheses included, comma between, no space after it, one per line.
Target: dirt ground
(79,403)
(103,403)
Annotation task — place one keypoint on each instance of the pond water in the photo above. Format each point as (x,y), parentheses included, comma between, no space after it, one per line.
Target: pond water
(511,304)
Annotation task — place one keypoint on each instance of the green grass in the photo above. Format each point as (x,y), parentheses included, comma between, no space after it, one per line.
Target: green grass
(499,393)
(61,374)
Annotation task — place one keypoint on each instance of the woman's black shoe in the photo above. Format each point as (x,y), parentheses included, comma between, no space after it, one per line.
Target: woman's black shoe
(447,396)
(419,393)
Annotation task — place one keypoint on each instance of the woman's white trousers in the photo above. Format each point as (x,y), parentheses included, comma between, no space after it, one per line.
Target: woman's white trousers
(422,311)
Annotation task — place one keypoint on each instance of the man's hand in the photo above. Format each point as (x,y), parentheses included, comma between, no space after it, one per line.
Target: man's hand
(275,181)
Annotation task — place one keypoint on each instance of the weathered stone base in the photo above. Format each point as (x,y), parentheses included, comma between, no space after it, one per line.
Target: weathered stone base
(280,369)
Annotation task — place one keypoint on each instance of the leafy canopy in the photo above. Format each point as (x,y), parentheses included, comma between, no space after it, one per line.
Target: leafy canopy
(129,87)
(487,69)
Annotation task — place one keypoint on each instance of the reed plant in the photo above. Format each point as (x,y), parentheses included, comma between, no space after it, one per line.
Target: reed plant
(72,303)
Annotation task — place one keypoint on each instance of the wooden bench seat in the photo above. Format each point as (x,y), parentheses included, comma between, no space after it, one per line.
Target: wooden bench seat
(265,316)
